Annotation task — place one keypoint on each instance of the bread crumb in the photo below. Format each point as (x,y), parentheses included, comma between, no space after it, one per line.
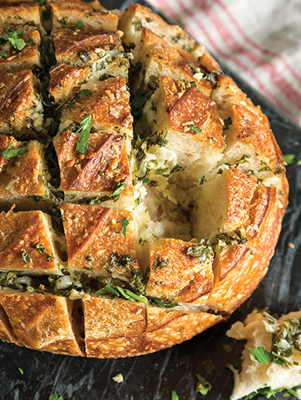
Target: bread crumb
(118,378)
(291,245)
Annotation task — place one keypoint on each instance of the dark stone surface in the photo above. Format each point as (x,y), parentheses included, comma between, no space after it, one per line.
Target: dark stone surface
(154,376)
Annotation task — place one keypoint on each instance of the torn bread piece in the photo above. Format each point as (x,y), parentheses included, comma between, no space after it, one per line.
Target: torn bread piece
(23,172)
(42,322)
(136,17)
(175,274)
(65,81)
(191,123)
(100,50)
(108,105)
(277,337)
(13,59)
(100,240)
(248,135)
(158,59)
(165,328)
(12,15)
(101,176)
(28,243)
(67,13)
(113,327)
(21,109)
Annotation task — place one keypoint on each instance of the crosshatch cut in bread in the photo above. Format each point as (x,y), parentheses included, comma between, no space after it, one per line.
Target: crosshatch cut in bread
(141,191)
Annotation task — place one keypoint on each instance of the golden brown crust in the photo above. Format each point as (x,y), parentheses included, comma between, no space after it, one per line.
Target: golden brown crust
(20,232)
(28,58)
(114,328)
(167,328)
(94,15)
(94,235)
(21,175)
(6,331)
(108,105)
(69,43)
(97,173)
(19,14)
(176,275)
(16,102)
(64,79)
(41,322)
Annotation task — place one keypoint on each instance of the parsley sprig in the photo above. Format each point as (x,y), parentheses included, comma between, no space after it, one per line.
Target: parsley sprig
(14,39)
(84,129)
(10,153)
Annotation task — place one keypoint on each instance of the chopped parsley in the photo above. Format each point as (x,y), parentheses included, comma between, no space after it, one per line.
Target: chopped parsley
(54,396)
(289,158)
(41,249)
(138,281)
(86,92)
(195,129)
(124,223)
(203,180)
(203,385)
(160,263)
(84,56)
(80,24)
(4,54)
(25,257)
(84,129)
(202,251)
(263,357)
(269,392)
(88,258)
(21,371)
(146,181)
(14,39)
(119,189)
(10,153)
(174,395)
(227,123)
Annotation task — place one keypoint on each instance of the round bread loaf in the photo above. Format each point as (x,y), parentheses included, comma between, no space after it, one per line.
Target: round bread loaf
(141,192)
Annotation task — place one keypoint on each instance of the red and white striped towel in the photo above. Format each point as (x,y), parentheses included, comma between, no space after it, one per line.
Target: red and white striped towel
(259,40)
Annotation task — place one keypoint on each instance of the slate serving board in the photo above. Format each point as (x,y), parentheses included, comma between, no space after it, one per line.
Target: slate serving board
(155,376)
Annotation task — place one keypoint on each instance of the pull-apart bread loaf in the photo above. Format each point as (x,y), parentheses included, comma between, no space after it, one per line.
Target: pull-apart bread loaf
(141,192)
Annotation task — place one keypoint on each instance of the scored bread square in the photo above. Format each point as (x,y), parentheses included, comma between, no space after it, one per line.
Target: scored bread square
(108,105)
(65,81)
(21,109)
(67,13)
(20,14)
(14,60)
(137,17)
(42,322)
(176,275)
(100,50)
(166,328)
(96,241)
(113,327)
(22,176)
(6,331)
(159,59)
(101,172)
(28,243)
(191,121)
(224,203)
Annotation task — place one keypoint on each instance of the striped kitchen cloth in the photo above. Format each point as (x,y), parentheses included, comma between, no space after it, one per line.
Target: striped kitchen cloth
(260,40)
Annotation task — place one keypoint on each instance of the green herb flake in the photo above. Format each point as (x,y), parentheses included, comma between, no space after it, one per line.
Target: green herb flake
(119,189)
(102,174)
(195,129)
(14,39)
(86,92)
(88,258)
(174,395)
(25,257)
(160,263)
(227,123)
(54,396)
(4,54)
(84,129)
(21,371)
(203,385)
(124,223)
(262,356)
(298,163)
(10,153)
(146,181)
(203,180)
(227,348)
(289,158)
(80,24)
